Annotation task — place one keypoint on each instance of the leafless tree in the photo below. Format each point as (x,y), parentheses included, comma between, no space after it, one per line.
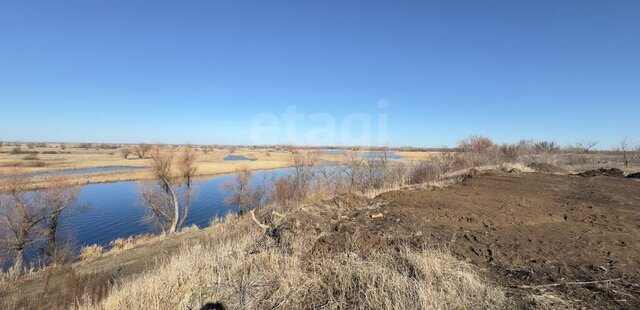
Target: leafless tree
(509,153)
(625,147)
(585,146)
(546,147)
(63,146)
(20,215)
(304,164)
(142,149)
(188,170)
(477,144)
(242,195)
(352,169)
(125,152)
(55,201)
(169,201)
(384,156)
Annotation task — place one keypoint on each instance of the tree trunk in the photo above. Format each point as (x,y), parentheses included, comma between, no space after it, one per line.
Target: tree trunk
(21,243)
(52,246)
(176,211)
(19,261)
(187,205)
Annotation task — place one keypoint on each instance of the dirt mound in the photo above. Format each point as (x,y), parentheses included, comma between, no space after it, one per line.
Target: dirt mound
(524,230)
(634,175)
(547,168)
(611,172)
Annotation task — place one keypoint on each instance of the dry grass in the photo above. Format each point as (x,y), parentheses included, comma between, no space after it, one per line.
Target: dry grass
(91,252)
(240,268)
(418,156)
(211,163)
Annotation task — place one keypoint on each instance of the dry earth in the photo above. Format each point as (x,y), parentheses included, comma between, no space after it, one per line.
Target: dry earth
(552,241)
(521,230)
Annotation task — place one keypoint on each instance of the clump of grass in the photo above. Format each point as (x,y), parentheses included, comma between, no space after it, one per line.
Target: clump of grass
(34,164)
(90,252)
(31,157)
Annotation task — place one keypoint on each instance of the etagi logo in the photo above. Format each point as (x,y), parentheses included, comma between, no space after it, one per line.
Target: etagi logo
(353,129)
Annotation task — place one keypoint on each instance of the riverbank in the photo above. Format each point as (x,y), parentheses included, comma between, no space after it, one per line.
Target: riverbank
(496,234)
(211,162)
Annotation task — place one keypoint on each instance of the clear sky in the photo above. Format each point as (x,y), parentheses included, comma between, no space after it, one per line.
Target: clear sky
(204,71)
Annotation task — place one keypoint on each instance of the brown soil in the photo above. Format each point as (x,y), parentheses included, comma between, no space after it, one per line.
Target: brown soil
(611,172)
(547,168)
(531,229)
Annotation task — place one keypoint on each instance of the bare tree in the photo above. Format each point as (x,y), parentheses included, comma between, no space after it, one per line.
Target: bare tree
(188,169)
(509,152)
(55,201)
(352,169)
(477,144)
(242,195)
(142,149)
(585,146)
(20,214)
(125,152)
(546,147)
(168,202)
(625,148)
(63,146)
(384,156)
(304,164)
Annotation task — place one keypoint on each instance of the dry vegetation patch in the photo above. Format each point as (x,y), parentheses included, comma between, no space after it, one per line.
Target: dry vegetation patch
(242,268)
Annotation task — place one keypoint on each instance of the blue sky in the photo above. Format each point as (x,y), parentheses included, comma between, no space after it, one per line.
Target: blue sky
(203,71)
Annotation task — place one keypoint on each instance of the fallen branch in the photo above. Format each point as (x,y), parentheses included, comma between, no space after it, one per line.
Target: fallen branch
(567,283)
(253,217)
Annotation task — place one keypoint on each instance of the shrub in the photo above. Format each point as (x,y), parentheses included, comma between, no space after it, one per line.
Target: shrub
(477,144)
(546,147)
(448,162)
(509,153)
(16,150)
(49,152)
(31,157)
(424,172)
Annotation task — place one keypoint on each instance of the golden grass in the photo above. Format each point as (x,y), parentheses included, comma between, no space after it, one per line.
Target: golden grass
(91,252)
(242,269)
(209,164)
(418,156)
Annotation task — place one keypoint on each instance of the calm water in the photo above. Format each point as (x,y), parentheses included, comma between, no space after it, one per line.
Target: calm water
(108,211)
(367,155)
(84,170)
(238,157)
